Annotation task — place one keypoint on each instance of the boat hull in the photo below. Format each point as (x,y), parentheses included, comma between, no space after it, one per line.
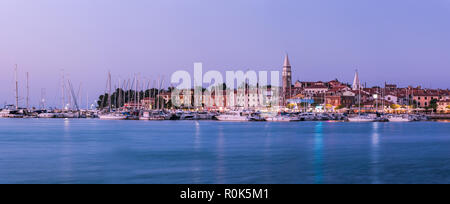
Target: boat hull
(361,120)
(232,119)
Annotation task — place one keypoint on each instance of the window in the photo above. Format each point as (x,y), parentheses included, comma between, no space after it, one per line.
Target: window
(426,104)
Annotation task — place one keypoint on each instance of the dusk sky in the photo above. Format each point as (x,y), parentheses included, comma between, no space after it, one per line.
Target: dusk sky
(399,41)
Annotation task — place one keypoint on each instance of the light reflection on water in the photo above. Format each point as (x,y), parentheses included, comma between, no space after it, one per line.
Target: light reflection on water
(197,163)
(94,151)
(66,159)
(221,172)
(375,154)
(318,153)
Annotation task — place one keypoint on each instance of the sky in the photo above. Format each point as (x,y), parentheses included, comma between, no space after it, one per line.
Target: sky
(396,41)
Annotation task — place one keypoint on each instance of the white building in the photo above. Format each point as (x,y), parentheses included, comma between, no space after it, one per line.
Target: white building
(391,98)
(356,83)
(316,89)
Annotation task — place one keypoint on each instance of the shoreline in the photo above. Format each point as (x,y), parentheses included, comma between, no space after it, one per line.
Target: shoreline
(218,121)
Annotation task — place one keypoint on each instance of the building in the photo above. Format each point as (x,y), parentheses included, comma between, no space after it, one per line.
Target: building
(424,99)
(391,98)
(315,89)
(287,79)
(443,106)
(148,103)
(340,101)
(390,87)
(356,82)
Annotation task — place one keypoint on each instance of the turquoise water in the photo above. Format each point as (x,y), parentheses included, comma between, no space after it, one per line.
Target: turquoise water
(95,151)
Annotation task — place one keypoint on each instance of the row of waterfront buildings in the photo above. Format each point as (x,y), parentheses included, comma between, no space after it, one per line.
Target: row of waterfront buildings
(319,96)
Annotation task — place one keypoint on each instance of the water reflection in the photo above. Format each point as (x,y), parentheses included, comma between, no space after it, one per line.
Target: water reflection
(197,162)
(197,141)
(267,154)
(220,170)
(66,157)
(375,154)
(318,153)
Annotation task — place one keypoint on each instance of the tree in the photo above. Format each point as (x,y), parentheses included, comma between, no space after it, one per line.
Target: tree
(433,104)
(102,101)
(414,105)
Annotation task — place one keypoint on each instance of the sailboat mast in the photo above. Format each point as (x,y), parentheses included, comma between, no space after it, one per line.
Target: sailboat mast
(109,91)
(359,101)
(87,100)
(17,89)
(157,94)
(63,96)
(161,106)
(119,95)
(28,91)
(138,92)
(135,92)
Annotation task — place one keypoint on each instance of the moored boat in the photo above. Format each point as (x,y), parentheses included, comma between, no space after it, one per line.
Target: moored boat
(233,116)
(112,116)
(46,115)
(362,118)
(400,118)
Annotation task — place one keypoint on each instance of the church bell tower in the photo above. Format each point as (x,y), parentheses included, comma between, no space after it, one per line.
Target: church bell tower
(287,80)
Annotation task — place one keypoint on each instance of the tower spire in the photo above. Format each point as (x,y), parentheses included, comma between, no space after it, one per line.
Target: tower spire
(286,61)
(356,82)
(287,79)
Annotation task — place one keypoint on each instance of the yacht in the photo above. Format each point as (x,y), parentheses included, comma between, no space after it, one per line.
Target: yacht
(256,117)
(112,116)
(362,118)
(145,116)
(155,115)
(5,113)
(280,118)
(187,116)
(400,118)
(46,115)
(307,117)
(233,116)
(69,115)
(10,114)
(204,116)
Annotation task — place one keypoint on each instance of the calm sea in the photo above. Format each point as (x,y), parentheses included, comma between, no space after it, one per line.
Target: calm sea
(95,151)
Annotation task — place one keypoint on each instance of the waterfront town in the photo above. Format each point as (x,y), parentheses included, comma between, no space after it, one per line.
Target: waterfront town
(292,101)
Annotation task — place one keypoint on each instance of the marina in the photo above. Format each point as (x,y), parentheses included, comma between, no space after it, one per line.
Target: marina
(136,99)
(232,116)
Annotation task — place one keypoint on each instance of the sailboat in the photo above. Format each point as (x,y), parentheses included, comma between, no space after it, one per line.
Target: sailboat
(359,117)
(111,115)
(402,118)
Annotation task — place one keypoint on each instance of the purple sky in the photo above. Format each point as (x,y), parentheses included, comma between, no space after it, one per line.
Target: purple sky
(403,41)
